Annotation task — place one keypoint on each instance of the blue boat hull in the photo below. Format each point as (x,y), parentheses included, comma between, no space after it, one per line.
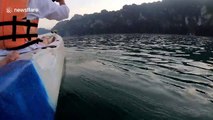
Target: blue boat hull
(22,93)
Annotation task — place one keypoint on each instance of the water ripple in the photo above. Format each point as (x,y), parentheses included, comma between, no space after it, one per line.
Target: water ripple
(138,76)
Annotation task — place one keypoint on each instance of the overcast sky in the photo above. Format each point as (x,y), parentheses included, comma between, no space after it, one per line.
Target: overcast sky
(91,6)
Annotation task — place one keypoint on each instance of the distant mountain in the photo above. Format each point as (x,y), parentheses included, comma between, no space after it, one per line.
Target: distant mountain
(43,31)
(166,17)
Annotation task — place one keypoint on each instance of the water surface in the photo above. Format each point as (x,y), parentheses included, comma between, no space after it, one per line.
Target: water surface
(137,77)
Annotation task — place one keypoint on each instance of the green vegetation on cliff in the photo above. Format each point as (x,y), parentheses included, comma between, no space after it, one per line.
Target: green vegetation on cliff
(166,17)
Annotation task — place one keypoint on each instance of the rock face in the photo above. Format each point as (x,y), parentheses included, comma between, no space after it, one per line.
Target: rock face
(167,17)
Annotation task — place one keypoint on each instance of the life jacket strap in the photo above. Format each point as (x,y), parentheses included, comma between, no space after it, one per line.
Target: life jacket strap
(6,37)
(19,23)
(26,45)
(14,23)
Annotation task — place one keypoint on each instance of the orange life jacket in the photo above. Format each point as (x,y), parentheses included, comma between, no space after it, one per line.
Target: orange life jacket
(15,29)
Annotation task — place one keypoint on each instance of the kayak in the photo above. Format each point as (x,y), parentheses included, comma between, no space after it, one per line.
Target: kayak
(29,86)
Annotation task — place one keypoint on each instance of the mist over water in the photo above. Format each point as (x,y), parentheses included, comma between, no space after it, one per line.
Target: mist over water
(137,77)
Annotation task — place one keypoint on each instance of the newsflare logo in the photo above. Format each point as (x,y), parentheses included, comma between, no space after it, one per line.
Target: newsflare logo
(16,10)
(9,10)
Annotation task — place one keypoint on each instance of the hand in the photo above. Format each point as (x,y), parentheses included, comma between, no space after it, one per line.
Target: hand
(61,2)
(13,56)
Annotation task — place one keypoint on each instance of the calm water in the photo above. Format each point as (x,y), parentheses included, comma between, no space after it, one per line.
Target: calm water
(137,77)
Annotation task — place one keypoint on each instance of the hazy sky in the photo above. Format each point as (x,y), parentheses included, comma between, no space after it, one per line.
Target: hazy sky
(91,6)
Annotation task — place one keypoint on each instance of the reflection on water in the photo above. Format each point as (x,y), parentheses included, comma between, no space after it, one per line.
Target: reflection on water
(137,77)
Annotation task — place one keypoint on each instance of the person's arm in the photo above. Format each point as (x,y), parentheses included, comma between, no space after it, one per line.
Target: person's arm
(48,9)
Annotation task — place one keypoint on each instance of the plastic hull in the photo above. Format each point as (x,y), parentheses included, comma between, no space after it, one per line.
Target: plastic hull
(29,87)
